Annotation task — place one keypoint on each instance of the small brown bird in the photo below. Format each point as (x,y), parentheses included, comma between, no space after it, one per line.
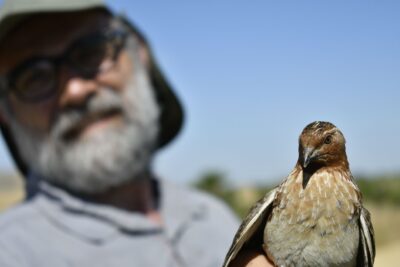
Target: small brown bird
(315,217)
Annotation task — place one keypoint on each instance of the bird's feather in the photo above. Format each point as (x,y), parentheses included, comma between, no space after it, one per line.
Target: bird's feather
(251,224)
(367,243)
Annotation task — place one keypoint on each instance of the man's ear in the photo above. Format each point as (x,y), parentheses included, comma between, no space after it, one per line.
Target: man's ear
(144,55)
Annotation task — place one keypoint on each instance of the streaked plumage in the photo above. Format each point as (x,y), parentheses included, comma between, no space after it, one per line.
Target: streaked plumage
(315,217)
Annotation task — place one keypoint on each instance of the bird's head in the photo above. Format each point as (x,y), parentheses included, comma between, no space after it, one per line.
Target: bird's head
(321,144)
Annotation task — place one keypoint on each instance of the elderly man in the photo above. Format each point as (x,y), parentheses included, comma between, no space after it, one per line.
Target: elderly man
(83,109)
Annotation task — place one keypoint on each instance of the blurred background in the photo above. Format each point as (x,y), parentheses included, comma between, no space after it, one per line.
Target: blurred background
(251,75)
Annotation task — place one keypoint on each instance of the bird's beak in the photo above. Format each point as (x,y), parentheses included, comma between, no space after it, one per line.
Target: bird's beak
(307,156)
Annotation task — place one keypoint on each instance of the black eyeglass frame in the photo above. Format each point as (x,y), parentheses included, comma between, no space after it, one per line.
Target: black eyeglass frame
(117,38)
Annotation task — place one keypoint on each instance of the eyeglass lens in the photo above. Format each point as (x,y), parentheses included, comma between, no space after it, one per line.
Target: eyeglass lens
(87,57)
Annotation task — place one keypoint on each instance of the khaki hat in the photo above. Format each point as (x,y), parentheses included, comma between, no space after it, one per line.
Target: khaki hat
(14,12)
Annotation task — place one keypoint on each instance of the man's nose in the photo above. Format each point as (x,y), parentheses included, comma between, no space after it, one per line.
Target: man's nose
(76,91)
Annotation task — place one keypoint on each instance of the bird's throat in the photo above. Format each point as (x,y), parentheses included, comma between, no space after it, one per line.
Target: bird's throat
(308,172)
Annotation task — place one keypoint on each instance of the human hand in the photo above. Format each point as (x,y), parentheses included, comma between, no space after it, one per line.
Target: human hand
(251,258)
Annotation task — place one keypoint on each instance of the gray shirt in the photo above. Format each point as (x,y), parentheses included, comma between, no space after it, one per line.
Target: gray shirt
(57,229)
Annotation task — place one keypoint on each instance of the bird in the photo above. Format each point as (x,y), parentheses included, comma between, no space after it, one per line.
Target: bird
(315,217)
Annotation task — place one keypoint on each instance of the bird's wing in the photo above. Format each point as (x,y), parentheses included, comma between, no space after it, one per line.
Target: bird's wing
(253,221)
(366,252)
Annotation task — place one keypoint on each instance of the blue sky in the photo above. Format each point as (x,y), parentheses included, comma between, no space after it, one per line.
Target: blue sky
(252,74)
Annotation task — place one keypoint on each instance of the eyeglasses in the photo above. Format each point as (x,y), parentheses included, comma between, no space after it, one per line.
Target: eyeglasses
(37,78)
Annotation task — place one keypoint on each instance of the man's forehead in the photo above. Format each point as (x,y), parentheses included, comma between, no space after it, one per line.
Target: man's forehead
(48,34)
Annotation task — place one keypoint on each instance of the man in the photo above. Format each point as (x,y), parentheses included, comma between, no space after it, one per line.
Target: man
(83,109)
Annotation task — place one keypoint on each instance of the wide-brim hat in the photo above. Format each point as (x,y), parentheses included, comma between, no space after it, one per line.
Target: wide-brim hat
(14,12)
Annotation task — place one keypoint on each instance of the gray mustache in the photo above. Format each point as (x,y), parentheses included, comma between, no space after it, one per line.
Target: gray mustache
(105,102)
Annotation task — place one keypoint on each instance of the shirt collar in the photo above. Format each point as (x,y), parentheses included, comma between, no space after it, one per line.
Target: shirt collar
(97,222)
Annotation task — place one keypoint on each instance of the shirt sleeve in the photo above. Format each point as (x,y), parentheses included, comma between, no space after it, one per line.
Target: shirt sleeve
(10,257)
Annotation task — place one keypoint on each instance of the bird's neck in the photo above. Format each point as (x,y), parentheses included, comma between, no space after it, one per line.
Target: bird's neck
(341,165)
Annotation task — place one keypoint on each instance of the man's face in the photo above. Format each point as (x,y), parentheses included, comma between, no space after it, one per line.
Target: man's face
(91,132)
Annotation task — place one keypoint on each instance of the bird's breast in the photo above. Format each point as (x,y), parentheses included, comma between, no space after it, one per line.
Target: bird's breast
(314,225)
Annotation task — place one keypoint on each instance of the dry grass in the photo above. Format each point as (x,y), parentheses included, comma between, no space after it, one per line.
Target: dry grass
(386,221)
(388,255)
(9,198)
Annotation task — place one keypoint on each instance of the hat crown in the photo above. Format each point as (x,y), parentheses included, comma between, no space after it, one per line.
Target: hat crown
(13,11)
(13,7)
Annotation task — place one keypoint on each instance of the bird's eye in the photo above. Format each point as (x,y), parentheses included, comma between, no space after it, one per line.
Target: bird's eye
(328,139)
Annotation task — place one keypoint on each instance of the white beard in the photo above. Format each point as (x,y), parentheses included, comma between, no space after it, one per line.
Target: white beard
(109,157)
